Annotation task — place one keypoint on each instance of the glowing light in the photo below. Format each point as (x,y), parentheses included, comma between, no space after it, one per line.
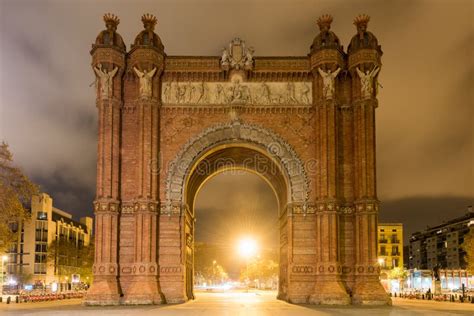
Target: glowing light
(12,281)
(381,261)
(247,247)
(4,258)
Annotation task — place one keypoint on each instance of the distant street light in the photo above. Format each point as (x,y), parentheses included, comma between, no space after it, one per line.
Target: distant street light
(381,262)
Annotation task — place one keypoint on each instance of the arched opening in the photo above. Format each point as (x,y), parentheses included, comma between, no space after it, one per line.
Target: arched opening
(228,158)
(231,207)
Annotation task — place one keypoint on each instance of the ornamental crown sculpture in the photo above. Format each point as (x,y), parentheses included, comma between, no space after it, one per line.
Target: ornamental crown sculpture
(148,37)
(324,20)
(110,18)
(363,38)
(326,38)
(150,19)
(361,19)
(109,36)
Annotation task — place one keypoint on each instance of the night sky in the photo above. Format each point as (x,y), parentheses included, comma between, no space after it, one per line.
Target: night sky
(424,121)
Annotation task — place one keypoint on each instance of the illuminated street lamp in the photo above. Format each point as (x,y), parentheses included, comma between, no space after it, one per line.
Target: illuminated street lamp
(4,259)
(247,248)
(381,262)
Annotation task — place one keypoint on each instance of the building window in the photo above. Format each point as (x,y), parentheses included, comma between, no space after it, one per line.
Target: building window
(41,247)
(40,268)
(42,216)
(395,251)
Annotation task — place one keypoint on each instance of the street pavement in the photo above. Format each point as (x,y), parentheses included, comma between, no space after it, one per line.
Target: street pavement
(238,304)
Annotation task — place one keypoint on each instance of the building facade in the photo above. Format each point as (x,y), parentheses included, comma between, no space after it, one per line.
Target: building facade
(31,253)
(390,245)
(440,246)
(167,123)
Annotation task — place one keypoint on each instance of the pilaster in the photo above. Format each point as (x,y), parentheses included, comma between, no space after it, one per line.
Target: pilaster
(109,65)
(329,288)
(367,288)
(144,68)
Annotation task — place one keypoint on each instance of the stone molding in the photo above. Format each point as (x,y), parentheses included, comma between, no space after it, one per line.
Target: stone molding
(363,56)
(236,132)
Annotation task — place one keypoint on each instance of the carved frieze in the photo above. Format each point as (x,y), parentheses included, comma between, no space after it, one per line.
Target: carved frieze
(236,92)
(364,56)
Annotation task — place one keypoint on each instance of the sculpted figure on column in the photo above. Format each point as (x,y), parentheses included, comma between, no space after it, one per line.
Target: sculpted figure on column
(367,82)
(105,80)
(328,82)
(145,82)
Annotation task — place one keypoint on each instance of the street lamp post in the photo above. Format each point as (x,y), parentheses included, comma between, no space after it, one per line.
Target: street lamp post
(247,248)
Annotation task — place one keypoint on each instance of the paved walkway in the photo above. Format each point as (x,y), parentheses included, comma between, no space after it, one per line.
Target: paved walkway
(239,304)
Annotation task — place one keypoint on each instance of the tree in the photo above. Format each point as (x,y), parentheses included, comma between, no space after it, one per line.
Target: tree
(262,270)
(15,193)
(69,259)
(207,264)
(468,246)
(397,274)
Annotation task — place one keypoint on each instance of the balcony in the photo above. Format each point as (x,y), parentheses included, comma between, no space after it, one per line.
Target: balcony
(395,241)
(383,241)
(395,253)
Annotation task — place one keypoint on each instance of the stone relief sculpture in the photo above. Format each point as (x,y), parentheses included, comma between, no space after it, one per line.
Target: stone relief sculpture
(290,93)
(237,92)
(328,82)
(305,93)
(145,82)
(167,92)
(105,81)
(367,82)
(237,56)
(265,94)
(225,59)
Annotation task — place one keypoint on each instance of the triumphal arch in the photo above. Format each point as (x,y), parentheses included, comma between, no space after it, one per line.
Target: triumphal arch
(306,124)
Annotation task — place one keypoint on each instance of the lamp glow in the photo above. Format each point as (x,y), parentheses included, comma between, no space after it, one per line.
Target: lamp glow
(247,247)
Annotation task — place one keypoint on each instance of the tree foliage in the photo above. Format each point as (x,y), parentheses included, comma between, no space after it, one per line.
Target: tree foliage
(261,269)
(397,274)
(15,193)
(468,246)
(207,269)
(68,259)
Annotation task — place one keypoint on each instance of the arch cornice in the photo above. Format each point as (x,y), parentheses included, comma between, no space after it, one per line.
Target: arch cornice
(237,132)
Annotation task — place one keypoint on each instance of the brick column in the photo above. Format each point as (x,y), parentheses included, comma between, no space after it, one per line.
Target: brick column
(367,288)
(143,285)
(328,289)
(105,289)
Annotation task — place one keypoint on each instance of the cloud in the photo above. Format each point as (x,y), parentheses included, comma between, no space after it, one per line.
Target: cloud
(424,128)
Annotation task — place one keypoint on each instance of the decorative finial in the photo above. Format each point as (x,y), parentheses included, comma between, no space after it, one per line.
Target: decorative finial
(324,20)
(362,19)
(148,18)
(110,18)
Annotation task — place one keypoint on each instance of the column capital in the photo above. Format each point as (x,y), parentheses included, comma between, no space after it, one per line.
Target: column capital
(106,205)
